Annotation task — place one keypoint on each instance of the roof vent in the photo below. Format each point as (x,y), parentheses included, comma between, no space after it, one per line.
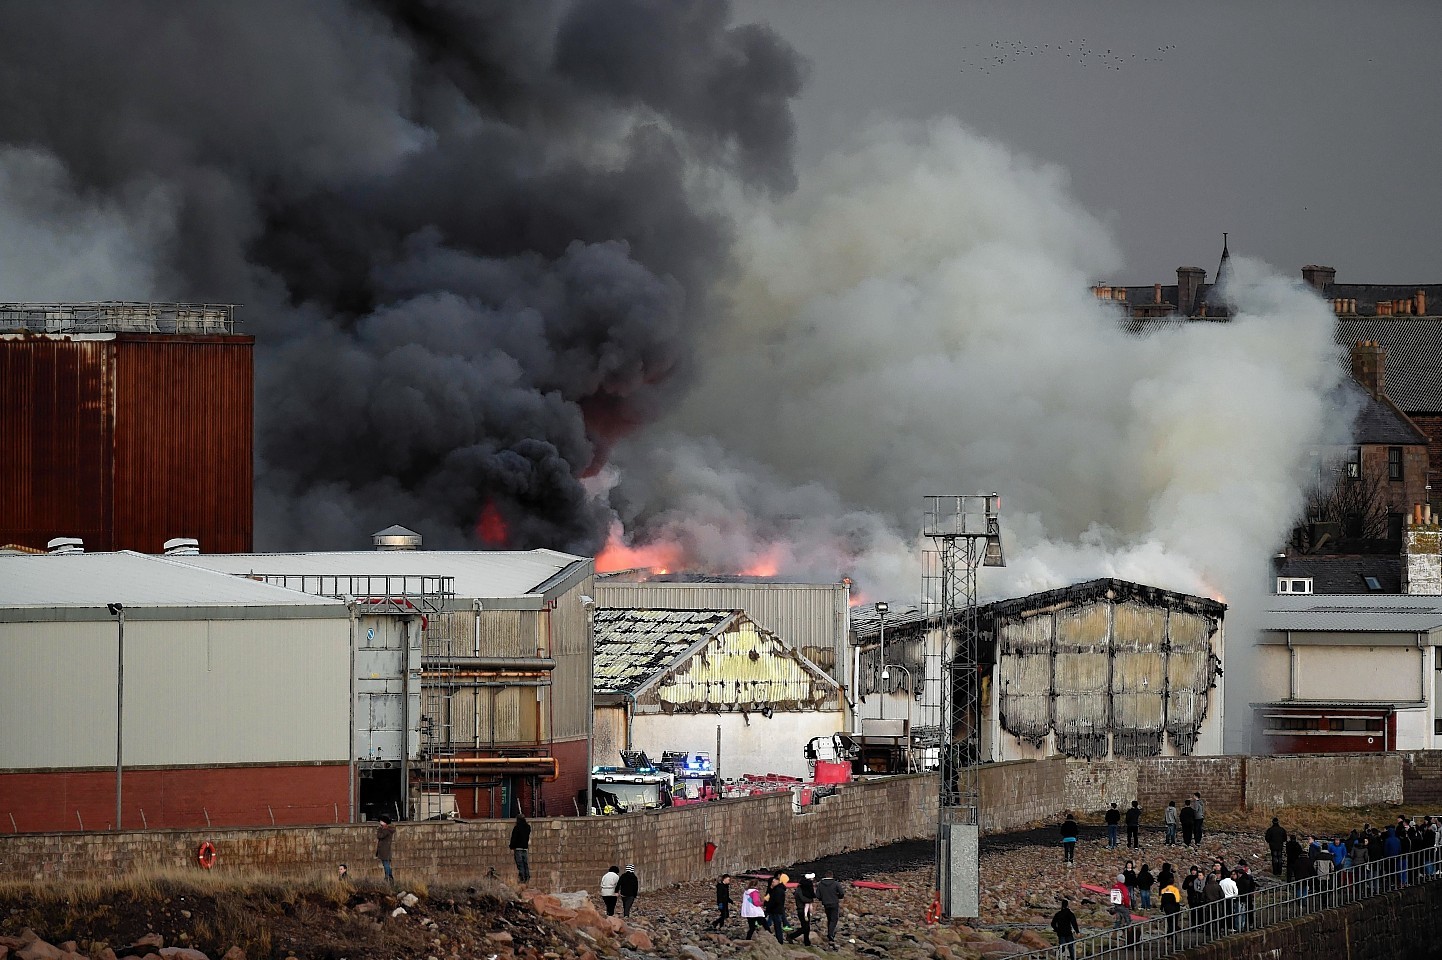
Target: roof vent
(396,538)
(65,545)
(181,547)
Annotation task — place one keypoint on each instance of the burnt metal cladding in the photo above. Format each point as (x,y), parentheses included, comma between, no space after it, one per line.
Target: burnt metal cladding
(125,439)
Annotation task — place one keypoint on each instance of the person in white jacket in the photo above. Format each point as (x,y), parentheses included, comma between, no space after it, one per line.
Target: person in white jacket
(752,910)
(609,879)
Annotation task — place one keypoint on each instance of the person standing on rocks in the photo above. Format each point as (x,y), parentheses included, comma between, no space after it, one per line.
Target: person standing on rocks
(385,839)
(1276,837)
(1172,821)
(1064,925)
(830,894)
(1189,824)
(1134,826)
(1201,811)
(609,880)
(776,907)
(1113,820)
(521,847)
(1068,839)
(753,909)
(723,901)
(1171,901)
(804,895)
(628,886)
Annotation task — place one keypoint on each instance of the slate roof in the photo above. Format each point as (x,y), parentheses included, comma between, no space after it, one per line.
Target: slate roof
(632,646)
(1346,573)
(1378,421)
(1401,613)
(1414,354)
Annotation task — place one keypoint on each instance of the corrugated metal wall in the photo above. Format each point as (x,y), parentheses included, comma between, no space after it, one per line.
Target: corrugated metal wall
(812,617)
(127,441)
(196,692)
(483,716)
(55,441)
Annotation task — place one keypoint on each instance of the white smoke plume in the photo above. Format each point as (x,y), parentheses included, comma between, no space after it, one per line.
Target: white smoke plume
(916,319)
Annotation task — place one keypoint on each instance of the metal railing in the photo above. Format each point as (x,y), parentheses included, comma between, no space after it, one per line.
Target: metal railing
(118,316)
(385,593)
(1163,936)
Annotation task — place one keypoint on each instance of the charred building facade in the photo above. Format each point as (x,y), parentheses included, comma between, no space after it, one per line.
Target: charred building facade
(127,425)
(1106,668)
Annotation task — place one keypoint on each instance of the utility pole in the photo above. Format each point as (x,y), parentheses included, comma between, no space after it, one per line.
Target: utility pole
(881,609)
(117,610)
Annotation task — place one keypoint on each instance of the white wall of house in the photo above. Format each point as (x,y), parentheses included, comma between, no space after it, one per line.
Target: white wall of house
(757,745)
(1385,674)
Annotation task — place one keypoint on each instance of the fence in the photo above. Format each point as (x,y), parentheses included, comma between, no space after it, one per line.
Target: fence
(1164,936)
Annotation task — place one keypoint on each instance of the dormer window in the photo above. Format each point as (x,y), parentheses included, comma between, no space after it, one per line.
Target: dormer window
(1294,584)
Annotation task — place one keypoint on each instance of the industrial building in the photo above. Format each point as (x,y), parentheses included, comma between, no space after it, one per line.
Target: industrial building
(1101,669)
(234,706)
(708,681)
(814,618)
(127,424)
(505,672)
(1348,673)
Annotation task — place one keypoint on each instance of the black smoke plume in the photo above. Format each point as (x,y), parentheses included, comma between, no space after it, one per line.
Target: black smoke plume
(469,237)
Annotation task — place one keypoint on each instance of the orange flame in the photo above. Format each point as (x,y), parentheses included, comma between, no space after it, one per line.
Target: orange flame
(491,527)
(617,554)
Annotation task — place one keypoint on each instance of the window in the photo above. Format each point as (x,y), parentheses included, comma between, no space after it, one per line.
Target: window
(1294,584)
(1354,463)
(1394,463)
(1372,583)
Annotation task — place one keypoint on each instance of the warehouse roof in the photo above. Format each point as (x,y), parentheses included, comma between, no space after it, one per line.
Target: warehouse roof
(1352,613)
(61,582)
(478,574)
(632,646)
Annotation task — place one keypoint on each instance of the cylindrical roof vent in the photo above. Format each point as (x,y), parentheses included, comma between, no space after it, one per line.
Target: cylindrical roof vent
(181,547)
(396,538)
(66,545)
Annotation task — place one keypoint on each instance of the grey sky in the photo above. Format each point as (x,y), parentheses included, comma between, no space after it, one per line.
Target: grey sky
(1308,129)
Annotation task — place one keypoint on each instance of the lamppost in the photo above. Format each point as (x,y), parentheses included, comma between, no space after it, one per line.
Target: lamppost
(881,607)
(886,675)
(117,610)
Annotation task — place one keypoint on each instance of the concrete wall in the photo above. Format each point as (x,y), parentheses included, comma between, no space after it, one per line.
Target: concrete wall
(1023,792)
(1343,779)
(667,846)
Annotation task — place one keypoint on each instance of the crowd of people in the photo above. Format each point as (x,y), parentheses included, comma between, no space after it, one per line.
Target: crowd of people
(1220,899)
(767,910)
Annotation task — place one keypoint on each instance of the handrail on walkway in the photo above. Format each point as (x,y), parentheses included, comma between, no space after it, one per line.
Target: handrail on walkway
(1163,936)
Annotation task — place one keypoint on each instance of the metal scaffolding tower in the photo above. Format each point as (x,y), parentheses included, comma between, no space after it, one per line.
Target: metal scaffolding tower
(966,532)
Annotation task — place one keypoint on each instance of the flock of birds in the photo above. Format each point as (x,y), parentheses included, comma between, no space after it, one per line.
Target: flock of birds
(986,57)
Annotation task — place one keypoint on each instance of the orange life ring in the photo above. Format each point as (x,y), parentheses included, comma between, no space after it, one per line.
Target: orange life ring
(933,912)
(205,856)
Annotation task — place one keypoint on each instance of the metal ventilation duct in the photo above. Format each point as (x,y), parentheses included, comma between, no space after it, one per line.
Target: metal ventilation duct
(181,547)
(65,545)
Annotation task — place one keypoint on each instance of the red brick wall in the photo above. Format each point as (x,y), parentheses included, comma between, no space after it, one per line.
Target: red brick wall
(1431,424)
(178,797)
(560,796)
